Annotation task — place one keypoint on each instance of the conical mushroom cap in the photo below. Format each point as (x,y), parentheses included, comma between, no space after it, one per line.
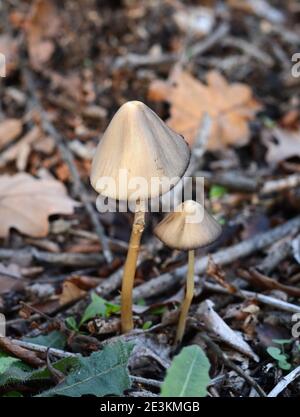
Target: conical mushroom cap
(138,144)
(188,227)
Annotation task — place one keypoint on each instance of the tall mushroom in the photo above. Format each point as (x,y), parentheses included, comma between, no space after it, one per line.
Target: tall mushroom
(187,228)
(137,145)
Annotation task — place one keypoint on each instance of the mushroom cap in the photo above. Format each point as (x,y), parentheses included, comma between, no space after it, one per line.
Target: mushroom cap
(138,142)
(188,227)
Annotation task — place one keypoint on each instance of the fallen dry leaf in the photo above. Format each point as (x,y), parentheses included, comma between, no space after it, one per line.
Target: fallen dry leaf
(70,293)
(10,129)
(42,26)
(285,145)
(217,326)
(26,203)
(230,106)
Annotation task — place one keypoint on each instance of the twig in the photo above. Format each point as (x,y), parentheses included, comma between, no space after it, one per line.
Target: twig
(279,252)
(249,48)
(281,184)
(232,180)
(58,259)
(164,282)
(264,299)
(263,281)
(15,349)
(146,381)
(136,60)
(208,42)
(43,349)
(284,382)
(221,355)
(78,187)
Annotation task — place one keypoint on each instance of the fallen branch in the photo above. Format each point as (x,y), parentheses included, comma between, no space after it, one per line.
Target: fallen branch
(256,278)
(57,259)
(43,349)
(164,282)
(284,382)
(9,346)
(281,184)
(232,180)
(264,299)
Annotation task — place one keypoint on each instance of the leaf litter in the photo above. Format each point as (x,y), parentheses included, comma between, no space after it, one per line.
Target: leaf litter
(232,64)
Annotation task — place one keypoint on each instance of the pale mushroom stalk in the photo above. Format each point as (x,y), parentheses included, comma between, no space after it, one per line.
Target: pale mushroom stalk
(189,293)
(129,270)
(187,228)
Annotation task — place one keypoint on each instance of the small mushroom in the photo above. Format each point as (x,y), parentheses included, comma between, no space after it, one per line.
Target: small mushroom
(187,228)
(137,145)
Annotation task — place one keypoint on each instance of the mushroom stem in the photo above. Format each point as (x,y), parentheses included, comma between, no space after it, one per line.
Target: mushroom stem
(129,271)
(188,296)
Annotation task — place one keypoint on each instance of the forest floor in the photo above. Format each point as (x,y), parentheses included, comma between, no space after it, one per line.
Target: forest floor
(224,75)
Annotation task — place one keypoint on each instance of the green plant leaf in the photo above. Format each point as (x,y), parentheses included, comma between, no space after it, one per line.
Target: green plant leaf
(71,323)
(158,311)
(188,375)
(54,339)
(103,373)
(12,394)
(19,372)
(283,364)
(98,307)
(276,353)
(282,341)
(6,362)
(217,191)
(147,325)
(12,370)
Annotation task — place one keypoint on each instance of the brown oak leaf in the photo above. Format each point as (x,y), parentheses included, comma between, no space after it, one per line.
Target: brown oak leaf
(42,26)
(230,106)
(26,203)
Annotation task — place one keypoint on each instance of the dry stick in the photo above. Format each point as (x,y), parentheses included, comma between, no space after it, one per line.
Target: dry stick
(260,280)
(164,282)
(233,180)
(277,254)
(63,259)
(146,381)
(221,355)
(129,271)
(208,42)
(280,184)
(79,189)
(284,382)
(264,299)
(26,355)
(249,48)
(43,349)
